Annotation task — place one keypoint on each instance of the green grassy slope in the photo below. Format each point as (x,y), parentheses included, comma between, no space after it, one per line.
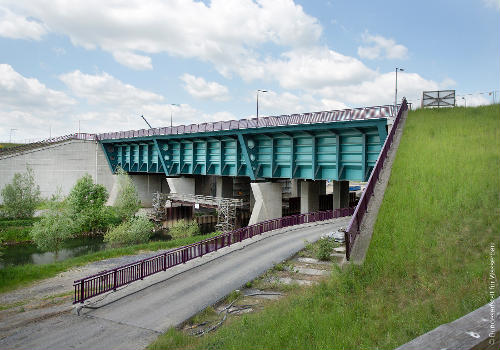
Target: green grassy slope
(428,261)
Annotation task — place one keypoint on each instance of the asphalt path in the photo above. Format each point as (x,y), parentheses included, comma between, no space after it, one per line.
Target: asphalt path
(133,317)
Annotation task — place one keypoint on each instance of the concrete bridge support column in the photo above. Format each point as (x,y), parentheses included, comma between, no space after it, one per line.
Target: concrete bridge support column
(295,188)
(309,195)
(268,201)
(340,194)
(224,187)
(146,185)
(184,185)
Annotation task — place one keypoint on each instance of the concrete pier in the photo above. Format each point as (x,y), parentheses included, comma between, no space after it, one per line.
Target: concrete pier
(309,195)
(268,201)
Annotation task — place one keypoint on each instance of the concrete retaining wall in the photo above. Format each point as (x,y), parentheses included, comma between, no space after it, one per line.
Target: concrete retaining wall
(61,165)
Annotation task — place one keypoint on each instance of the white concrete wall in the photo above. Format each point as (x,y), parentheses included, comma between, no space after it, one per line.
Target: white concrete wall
(61,165)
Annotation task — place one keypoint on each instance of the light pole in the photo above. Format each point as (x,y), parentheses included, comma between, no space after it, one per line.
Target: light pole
(258,104)
(396,94)
(465,102)
(171,120)
(142,116)
(10,137)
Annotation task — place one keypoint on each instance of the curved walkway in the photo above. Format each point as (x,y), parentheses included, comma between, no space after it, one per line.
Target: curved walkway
(133,316)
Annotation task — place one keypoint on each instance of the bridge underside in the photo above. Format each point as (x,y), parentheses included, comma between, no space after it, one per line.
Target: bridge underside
(325,151)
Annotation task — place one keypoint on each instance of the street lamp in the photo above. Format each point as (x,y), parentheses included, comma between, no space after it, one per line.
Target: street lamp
(396,95)
(465,102)
(258,104)
(10,137)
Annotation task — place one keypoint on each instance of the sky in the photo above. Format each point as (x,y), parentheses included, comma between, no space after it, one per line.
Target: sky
(98,65)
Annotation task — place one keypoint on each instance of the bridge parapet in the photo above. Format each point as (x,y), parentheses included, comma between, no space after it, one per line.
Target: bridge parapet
(373,112)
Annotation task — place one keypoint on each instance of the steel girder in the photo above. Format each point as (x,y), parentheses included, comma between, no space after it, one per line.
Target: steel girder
(326,151)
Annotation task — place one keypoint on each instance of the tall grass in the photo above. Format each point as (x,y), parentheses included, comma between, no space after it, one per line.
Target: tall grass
(428,261)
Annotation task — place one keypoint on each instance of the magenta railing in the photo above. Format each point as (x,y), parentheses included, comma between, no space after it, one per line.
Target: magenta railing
(109,280)
(352,230)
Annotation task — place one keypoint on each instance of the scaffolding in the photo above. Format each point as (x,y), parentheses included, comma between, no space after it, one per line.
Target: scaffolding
(226,207)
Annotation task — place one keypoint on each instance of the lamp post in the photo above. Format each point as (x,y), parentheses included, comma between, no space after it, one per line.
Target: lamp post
(10,137)
(465,102)
(258,104)
(396,94)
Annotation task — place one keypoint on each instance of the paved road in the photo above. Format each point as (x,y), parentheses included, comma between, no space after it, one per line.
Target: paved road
(134,316)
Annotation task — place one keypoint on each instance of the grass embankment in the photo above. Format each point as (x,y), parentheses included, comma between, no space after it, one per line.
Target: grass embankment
(9,145)
(17,276)
(429,258)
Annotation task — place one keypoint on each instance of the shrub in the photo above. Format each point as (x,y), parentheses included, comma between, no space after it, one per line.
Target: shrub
(86,205)
(183,229)
(135,230)
(325,248)
(52,230)
(127,201)
(21,197)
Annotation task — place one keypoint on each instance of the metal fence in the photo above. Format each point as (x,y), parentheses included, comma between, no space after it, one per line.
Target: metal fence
(352,230)
(109,280)
(46,142)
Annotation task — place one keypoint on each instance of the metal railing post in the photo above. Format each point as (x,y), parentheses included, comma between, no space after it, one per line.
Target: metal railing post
(142,269)
(82,293)
(114,280)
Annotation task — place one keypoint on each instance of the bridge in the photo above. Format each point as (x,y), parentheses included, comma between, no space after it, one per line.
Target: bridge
(262,162)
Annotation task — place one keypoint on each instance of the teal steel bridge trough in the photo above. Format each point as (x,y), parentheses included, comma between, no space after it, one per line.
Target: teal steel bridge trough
(337,150)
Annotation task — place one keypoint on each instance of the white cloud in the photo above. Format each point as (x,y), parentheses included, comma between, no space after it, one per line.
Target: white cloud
(380,47)
(102,103)
(222,32)
(309,69)
(380,90)
(492,3)
(200,88)
(106,90)
(132,60)
(29,106)
(473,100)
(29,93)
(19,27)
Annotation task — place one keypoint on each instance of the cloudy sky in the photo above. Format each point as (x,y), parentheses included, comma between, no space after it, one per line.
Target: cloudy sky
(104,63)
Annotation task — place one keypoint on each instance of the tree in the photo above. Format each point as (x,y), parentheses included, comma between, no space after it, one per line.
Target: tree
(21,197)
(52,230)
(86,205)
(127,201)
(137,229)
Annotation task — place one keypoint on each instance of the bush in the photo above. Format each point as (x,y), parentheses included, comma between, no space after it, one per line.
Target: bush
(137,229)
(21,197)
(325,248)
(52,230)
(183,229)
(127,202)
(86,205)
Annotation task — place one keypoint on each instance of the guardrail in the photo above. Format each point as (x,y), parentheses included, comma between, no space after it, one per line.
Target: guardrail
(109,280)
(352,230)
(46,142)
(373,112)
